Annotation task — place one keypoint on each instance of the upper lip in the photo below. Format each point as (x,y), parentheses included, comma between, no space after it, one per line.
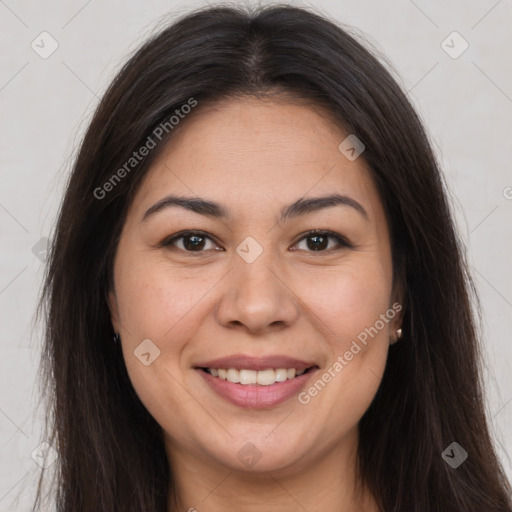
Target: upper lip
(246,362)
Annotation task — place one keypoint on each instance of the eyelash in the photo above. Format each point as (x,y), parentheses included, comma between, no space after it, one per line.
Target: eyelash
(342,242)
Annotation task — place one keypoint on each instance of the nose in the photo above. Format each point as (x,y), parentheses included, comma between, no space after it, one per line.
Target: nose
(257,298)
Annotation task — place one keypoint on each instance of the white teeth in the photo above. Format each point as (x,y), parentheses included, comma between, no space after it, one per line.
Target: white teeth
(266,377)
(233,376)
(248,376)
(262,377)
(281,375)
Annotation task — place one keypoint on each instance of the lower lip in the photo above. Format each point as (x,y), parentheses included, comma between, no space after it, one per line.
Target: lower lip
(254,396)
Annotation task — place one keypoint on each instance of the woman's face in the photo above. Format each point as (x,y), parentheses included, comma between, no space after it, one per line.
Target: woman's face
(248,290)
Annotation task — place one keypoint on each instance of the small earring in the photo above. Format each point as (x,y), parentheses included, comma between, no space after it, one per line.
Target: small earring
(116,338)
(399,333)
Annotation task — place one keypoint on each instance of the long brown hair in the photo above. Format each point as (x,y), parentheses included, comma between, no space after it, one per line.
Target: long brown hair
(111,451)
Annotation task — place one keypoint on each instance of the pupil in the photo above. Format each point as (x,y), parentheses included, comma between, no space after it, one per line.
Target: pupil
(198,242)
(318,246)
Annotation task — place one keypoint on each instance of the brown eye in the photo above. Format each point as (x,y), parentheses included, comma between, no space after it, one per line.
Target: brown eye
(190,241)
(318,241)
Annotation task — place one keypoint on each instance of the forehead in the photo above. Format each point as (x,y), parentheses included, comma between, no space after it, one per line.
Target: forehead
(252,153)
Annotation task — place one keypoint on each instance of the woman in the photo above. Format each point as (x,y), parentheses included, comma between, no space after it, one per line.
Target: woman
(256,298)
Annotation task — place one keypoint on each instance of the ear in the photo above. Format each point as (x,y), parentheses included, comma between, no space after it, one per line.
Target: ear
(398,306)
(114,310)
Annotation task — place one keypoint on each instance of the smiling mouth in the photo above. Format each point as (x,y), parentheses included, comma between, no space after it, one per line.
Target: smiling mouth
(247,377)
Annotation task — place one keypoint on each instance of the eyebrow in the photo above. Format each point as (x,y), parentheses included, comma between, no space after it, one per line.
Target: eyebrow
(300,207)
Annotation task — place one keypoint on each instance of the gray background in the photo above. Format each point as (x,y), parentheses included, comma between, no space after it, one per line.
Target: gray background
(465,102)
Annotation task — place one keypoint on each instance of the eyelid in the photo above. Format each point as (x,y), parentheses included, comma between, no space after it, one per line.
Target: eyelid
(170,240)
(342,241)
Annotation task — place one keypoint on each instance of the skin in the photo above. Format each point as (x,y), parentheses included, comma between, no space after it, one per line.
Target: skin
(254,157)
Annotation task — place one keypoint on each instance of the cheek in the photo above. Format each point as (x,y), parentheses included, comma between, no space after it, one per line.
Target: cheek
(352,304)
(349,304)
(154,299)
(155,305)
(349,300)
